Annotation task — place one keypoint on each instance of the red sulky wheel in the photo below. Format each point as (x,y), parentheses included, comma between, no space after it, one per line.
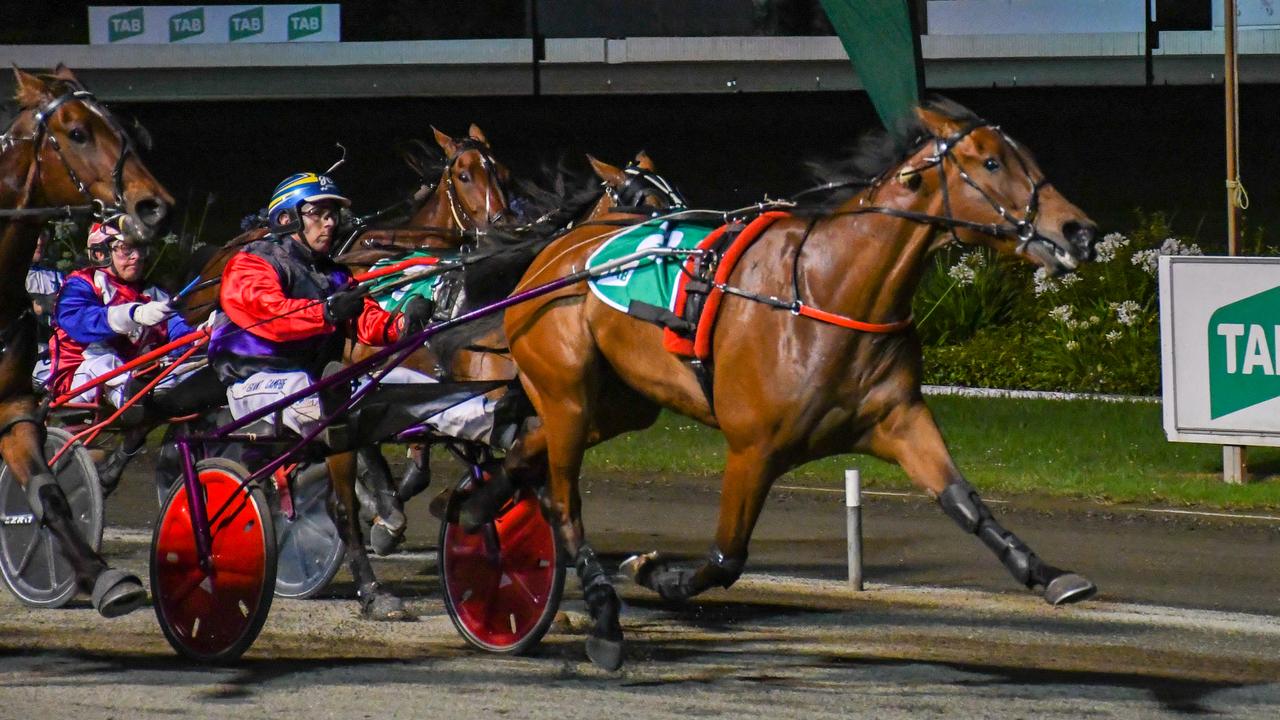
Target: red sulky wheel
(214,617)
(502,583)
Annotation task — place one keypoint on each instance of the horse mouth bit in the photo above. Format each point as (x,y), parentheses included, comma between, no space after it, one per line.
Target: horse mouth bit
(1048,253)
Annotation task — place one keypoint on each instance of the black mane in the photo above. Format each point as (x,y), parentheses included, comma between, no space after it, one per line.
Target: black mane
(879,151)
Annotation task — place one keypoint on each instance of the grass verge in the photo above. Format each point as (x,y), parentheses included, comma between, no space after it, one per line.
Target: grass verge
(1110,452)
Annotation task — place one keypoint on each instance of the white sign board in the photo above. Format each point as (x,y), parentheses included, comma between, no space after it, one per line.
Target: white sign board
(195,24)
(1249,14)
(1220,349)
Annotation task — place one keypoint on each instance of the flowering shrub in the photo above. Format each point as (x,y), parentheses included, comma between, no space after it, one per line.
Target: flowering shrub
(1095,330)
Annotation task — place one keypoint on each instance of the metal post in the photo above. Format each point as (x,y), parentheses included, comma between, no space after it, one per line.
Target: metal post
(853,525)
(1234,464)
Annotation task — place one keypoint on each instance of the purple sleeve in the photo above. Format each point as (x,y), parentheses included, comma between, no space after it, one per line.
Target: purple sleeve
(81,314)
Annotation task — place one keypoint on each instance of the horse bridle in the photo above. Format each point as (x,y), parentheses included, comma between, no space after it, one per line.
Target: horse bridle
(1020,228)
(640,184)
(490,166)
(42,135)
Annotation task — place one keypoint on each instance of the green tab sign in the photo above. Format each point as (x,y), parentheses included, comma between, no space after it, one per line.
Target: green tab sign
(305,22)
(125,25)
(1244,353)
(186,24)
(245,24)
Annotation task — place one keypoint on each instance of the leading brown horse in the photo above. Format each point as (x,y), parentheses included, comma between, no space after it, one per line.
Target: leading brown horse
(792,381)
(63,148)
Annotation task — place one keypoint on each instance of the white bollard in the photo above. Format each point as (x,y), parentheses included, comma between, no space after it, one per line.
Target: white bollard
(853,525)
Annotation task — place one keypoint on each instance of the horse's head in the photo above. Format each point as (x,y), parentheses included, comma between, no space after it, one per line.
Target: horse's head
(83,154)
(634,186)
(993,192)
(475,184)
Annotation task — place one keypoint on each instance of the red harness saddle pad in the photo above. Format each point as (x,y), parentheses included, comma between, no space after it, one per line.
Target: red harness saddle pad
(700,345)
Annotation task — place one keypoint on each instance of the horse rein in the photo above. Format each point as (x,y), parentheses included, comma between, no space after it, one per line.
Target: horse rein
(641,184)
(487,161)
(1020,228)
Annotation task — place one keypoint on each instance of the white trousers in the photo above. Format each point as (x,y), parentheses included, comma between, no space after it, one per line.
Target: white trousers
(98,363)
(470,420)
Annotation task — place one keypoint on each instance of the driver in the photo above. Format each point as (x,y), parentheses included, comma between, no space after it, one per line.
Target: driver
(288,314)
(106,315)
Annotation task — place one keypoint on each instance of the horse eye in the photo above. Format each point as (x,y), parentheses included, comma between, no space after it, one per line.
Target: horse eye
(78,136)
(464,177)
(991,164)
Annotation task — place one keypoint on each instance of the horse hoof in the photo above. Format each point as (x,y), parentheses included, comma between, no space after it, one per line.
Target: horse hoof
(387,608)
(384,539)
(1069,588)
(117,593)
(639,567)
(604,653)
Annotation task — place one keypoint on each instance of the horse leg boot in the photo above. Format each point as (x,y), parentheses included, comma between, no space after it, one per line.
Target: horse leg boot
(604,641)
(375,602)
(961,501)
(114,592)
(112,469)
(417,476)
(379,501)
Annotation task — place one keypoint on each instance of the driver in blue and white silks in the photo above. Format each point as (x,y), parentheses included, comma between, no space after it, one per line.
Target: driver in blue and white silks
(286,312)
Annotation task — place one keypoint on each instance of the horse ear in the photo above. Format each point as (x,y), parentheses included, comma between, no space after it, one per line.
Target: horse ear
(606,172)
(938,124)
(62,72)
(31,90)
(475,133)
(643,161)
(445,142)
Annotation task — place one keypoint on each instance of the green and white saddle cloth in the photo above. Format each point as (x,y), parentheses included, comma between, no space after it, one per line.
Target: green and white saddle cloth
(392,297)
(651,281)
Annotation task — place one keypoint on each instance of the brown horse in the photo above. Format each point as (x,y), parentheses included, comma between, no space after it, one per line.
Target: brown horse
(787,388)
(63,148)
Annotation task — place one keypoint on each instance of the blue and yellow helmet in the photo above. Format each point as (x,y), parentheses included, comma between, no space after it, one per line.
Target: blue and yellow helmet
(297,189)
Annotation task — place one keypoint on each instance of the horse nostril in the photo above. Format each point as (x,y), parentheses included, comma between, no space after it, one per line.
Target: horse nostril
(151,211)
(1082,236)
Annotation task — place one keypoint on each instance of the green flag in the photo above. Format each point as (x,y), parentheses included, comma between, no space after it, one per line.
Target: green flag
(884,45)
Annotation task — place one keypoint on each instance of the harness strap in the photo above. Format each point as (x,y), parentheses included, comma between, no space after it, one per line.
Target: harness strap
(13,422)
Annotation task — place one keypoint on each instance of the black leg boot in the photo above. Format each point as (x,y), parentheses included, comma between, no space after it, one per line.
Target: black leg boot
(485,501)
(961,501)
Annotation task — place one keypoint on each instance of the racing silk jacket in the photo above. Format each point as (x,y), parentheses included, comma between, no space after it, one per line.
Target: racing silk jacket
(92,314)
(272,292)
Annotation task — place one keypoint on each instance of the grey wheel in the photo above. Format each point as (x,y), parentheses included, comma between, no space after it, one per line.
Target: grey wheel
(31,559)
(310,549)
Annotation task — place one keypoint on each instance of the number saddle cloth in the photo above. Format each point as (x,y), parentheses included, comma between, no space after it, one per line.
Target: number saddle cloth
(680,294)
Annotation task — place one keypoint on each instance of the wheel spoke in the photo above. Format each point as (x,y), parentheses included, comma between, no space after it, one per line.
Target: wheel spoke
(29,552)
(52,559)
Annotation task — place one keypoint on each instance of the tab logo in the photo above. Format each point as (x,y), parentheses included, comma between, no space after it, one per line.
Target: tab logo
(186,24)
(305,22)
(1244,353)
(125,25)
(245,24)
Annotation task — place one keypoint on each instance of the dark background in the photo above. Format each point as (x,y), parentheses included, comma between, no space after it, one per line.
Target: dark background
(1110,150)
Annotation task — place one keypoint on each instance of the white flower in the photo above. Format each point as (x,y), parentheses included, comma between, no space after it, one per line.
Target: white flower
(1126,312)
(1073,345)
(1147,260)
(1043,283)
(1108,246)
(1113,336)
(1094,320)
(1069,280)
(170,239)
(1062,313)
(962,274)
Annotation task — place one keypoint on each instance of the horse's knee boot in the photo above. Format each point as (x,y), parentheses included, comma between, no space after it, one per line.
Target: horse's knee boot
(484,502)
(45,496)
(961,501)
